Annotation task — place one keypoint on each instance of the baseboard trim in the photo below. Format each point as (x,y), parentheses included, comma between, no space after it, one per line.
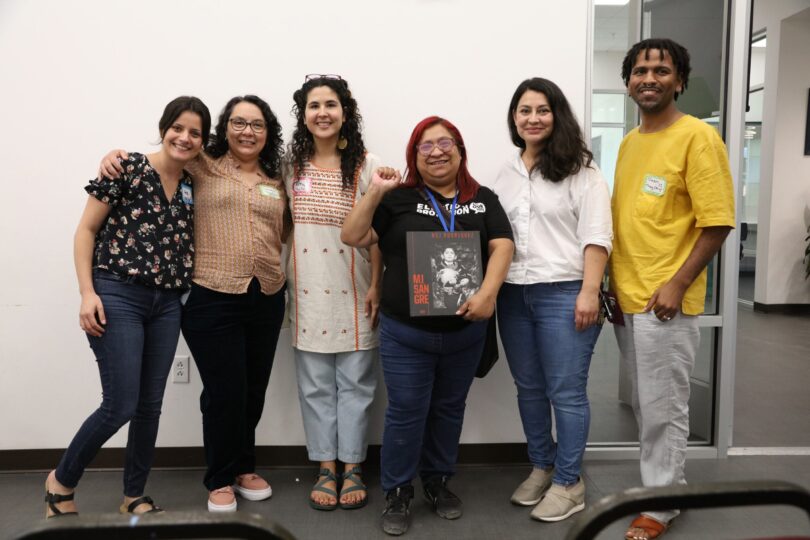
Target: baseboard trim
(769,451)
(785,309)
(266,456)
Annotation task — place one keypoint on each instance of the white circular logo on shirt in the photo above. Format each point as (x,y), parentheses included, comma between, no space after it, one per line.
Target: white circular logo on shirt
(478,207)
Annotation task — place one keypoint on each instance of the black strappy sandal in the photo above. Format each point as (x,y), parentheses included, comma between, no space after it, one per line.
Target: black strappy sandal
(55,498)
(130,509)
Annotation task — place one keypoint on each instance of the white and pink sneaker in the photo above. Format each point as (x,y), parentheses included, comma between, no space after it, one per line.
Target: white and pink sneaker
(252,487)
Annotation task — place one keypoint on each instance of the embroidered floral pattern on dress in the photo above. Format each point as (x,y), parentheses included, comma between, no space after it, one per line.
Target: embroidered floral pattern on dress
(327,202)
(145,235)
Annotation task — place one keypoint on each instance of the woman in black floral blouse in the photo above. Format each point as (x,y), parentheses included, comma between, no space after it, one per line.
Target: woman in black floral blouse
(133,253)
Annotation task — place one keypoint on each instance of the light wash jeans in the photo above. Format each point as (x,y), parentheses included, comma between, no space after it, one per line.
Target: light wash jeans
(549,360)
(336,391)
(659,357)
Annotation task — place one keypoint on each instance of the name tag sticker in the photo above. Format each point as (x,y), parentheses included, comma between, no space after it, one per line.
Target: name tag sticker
(269,191)
(654,185)
(302,185)
(186,193)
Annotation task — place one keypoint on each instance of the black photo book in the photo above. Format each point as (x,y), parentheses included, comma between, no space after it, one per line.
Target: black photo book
(444,270)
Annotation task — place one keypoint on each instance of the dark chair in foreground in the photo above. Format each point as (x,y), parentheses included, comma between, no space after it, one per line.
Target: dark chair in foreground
(634,501)
(158,526)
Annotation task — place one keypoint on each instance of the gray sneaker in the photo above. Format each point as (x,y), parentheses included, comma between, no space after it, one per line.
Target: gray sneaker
(531,490)
(560,502)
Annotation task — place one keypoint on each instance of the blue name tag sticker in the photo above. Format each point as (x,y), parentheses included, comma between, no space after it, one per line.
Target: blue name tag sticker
(186,193)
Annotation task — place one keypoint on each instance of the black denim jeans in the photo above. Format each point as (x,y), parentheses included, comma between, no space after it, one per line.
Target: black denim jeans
(233,340)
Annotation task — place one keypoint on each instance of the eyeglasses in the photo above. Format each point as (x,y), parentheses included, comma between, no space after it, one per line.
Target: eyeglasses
(239,124)
(445,144)
(313,76)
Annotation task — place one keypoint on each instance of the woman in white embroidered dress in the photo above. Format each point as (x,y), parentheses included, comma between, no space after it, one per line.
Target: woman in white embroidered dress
(334,289)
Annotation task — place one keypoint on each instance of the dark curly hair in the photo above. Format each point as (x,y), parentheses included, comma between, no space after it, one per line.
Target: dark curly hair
(302,145)
(564,152)
(677,52)
(270,156)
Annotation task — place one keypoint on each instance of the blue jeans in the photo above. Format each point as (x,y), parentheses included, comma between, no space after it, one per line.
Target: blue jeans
(549,361)
(134,357)
(233,340)
(428,376)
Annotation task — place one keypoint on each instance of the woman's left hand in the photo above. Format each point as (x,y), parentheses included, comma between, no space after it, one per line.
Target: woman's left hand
(586,310)
(478,307)
(372,303)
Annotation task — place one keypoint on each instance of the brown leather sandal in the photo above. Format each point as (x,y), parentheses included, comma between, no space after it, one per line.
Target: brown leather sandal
(652,528)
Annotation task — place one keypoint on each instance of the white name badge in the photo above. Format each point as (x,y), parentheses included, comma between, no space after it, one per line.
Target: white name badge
(186,193)
(269,191)
(302,185)
(654,185)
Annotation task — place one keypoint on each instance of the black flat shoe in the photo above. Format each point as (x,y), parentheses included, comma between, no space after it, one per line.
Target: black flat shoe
(445,503)
(397,517)
(130,508)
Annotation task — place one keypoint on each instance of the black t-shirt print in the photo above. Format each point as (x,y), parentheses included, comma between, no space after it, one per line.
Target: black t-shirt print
(403,210)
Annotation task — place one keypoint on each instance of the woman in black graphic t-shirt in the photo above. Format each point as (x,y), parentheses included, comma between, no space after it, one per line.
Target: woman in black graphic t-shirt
(428,362)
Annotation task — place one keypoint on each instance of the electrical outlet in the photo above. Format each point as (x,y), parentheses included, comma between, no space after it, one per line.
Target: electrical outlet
(180,369)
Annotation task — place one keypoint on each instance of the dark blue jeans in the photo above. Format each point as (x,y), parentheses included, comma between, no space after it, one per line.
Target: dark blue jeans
(549,361)
(134,357)
(233,339)
(428,376)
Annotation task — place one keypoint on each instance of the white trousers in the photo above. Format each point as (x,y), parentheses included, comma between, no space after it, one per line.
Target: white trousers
(659,357)
(336,391)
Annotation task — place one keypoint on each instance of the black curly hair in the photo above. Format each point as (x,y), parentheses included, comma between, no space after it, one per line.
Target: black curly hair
(302,145)
(270,156)
(677,52)
(564,152)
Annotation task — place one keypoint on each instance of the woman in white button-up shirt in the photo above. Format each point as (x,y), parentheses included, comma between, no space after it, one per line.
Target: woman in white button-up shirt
(559,207)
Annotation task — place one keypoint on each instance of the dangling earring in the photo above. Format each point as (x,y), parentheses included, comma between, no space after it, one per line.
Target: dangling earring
(342,143)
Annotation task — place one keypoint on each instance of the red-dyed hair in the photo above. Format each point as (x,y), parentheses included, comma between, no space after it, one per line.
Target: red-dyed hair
(467,185)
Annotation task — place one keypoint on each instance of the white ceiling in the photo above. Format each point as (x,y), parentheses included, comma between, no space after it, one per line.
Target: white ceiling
(611,28)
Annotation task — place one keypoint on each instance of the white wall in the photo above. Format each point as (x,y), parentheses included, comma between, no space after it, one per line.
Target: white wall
(784,191)
(757,75)
(83,77)
(607,70)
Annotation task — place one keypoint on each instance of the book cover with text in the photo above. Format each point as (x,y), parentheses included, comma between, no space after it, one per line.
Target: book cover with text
(444,270)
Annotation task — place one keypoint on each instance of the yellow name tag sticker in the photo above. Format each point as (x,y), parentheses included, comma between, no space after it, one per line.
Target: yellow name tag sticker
(654,185)
(269,191)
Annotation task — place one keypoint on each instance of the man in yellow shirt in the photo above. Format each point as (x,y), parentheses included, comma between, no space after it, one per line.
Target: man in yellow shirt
(673,206)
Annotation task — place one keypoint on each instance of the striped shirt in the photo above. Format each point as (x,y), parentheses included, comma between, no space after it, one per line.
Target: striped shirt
(238,227)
